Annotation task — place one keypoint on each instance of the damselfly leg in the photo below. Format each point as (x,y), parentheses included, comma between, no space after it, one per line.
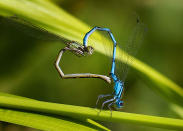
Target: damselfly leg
(102,96)
(109,106)
(110,101)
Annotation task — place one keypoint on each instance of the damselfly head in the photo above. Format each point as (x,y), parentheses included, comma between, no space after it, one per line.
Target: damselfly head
(79,50)
(89,50)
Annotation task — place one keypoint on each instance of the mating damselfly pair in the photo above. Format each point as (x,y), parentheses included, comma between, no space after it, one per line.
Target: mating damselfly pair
(118,70)
(114,76)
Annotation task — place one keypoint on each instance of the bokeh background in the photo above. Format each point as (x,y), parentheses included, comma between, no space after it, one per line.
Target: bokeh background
(27,63)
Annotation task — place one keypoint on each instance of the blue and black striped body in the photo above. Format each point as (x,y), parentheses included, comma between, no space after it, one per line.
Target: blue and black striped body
(118,90)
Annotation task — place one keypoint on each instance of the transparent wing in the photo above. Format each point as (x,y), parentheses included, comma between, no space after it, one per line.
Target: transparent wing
(130,47)
(133,34)
(31,30)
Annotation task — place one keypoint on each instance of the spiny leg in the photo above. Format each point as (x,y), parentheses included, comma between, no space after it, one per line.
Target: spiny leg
(106,102)
(102,96)
(109,106)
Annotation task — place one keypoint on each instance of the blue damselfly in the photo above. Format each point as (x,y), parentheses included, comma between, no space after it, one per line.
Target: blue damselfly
(117,76)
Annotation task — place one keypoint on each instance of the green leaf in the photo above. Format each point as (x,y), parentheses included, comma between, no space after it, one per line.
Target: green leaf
(27,121)
(42,122)
(48,16)
(83,113)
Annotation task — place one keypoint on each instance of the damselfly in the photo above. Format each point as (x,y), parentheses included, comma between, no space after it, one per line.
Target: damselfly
(119,79)
(72,46)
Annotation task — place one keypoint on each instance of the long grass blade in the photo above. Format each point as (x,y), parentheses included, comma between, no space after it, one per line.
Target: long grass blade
(83,113)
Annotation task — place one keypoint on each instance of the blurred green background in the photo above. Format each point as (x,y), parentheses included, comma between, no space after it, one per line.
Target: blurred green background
(27,64)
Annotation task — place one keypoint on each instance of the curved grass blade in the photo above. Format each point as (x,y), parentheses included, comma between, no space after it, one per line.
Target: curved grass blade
(31,30)
(81,122)
(83,113)
(42,122)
